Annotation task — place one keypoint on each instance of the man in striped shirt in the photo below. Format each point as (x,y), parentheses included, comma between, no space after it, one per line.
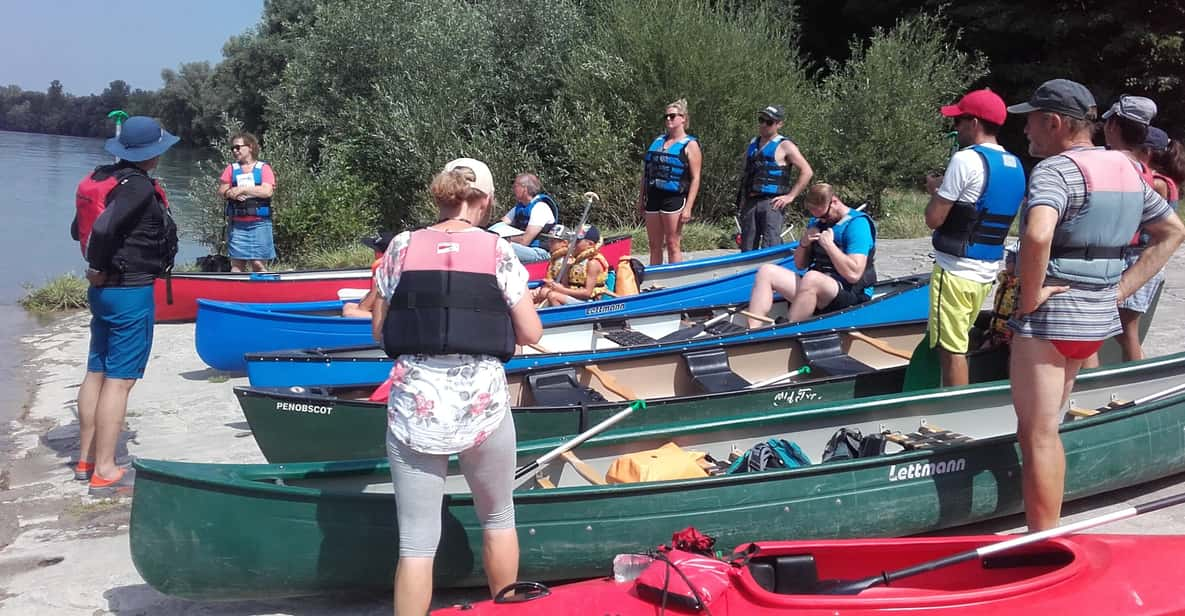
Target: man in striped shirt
(1083,205)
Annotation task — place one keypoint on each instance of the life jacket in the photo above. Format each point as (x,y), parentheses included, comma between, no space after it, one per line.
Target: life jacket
(1174,190)
(765,175)
(668,169)
(821,261)
(1090,248)
(977,230)
(253,208)
(448,299)
(91,199)
(578,272)
(521,214)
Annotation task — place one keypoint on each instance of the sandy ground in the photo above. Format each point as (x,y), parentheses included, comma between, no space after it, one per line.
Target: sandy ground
(64,553)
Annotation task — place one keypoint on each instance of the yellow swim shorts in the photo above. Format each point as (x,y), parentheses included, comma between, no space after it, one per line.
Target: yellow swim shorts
(954,304)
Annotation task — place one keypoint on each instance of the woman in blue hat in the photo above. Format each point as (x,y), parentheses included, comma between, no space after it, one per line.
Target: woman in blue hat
(247,185)
(127,246)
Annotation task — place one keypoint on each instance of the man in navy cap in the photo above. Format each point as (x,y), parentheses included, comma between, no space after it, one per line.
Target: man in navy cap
(1083,205)
(129,239)
(765,188)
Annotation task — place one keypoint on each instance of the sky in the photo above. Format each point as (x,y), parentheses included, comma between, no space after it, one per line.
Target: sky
(87,44)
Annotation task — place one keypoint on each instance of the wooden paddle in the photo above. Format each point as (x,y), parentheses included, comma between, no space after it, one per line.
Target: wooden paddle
(880,344)
(531,468)
(851,587)
(605,378)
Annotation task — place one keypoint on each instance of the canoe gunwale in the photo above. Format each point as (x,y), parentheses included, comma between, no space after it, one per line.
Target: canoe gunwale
(255,477)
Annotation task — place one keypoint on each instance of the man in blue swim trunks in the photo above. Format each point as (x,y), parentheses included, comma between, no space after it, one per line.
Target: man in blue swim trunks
(132,242)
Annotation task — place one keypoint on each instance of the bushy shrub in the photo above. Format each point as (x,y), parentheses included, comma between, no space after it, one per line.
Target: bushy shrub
(878,124)
(66,292)
(314,209)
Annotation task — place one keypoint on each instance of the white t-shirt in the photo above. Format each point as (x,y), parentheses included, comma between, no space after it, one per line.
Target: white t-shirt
(964,182)
(540,215)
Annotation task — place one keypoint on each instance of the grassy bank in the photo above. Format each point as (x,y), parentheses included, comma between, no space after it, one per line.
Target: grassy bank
(66,292)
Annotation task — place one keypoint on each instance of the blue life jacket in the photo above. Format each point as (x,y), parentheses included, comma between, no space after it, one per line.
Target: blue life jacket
(977,230)
(253,206)
(765,175)
(1090,248)
(522,214)
(668,169)
(821,261)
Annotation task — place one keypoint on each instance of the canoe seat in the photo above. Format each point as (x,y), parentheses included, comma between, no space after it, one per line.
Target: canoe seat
(928,437)
(559,387)
(825,352)
(792,574)
(627,337)
(711,372)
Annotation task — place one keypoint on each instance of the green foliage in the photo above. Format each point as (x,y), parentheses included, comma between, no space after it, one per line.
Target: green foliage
(877,125)
(315,210)
(66,292)
(902,214)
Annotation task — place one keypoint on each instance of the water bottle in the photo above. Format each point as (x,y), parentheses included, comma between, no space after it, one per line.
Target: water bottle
(611,281)
(626,567)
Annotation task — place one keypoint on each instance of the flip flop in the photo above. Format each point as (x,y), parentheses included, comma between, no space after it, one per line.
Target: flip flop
(109,488)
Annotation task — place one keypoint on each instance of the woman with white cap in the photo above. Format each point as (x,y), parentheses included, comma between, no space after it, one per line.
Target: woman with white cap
(454,304)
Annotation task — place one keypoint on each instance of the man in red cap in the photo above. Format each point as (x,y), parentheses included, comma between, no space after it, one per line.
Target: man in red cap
(971,209)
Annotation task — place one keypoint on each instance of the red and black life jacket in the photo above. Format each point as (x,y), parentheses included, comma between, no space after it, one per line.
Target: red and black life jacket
(91,198)
(448,300)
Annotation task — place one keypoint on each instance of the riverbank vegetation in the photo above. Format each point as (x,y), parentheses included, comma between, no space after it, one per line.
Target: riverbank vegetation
(66,292)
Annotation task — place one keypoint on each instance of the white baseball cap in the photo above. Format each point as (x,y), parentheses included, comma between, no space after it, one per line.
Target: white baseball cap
(484,181)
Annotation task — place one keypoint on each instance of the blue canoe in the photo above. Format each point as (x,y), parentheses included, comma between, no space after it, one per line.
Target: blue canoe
(225,331)
(897,301)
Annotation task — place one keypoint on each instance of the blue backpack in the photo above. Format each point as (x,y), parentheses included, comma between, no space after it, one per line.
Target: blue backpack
(772,454)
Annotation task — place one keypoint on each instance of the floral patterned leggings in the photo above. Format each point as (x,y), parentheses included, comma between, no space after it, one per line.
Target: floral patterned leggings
(419,481)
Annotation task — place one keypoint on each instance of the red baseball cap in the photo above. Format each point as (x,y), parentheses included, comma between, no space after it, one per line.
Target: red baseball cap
(983,104)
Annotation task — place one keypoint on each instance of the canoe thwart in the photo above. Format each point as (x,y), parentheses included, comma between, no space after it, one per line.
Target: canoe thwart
(881,345)
(1077,412)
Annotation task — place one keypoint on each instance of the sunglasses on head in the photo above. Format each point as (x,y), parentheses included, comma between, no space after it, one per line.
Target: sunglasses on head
(672,116)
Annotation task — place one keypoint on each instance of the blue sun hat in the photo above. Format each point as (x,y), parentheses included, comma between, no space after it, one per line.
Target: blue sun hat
(141,139)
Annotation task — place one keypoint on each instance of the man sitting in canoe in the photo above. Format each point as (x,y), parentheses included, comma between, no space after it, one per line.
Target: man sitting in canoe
(586,276)
(533,210)
(362,308)
(838,248)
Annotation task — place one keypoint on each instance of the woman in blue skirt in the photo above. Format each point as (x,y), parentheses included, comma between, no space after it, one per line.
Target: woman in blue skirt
(247,185)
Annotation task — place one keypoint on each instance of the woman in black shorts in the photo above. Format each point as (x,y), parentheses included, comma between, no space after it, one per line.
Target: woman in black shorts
(670,183)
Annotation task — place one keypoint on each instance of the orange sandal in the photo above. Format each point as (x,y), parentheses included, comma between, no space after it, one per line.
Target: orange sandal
(120,486)
(83,470)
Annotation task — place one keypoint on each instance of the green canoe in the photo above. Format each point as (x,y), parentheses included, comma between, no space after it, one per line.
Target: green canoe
(298,424)
(224,531)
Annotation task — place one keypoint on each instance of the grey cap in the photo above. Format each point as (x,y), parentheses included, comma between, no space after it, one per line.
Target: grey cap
(1134,108)
(1059,96)
(773,112)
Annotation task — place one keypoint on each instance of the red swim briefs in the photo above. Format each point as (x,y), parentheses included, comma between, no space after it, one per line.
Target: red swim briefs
(1077,349)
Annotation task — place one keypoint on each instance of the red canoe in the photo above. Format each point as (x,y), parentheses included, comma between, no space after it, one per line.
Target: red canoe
(1079,574)
(303,286)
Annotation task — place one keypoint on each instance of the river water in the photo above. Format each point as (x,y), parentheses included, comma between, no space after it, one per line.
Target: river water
(40,173)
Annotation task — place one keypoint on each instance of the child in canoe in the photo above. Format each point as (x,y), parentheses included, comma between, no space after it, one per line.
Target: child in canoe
(586,276)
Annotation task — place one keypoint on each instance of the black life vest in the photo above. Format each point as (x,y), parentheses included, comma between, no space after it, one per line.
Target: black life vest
(821,261)
(448,300)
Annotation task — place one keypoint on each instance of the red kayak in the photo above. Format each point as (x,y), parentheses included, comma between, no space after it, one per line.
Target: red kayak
(302,286)
(1078,574)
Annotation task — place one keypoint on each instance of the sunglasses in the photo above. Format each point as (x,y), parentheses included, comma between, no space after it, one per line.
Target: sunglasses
(235,148)
(672,116)
(767,121)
